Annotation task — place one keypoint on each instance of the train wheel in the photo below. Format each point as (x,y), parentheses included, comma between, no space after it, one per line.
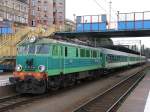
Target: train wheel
(55,85)
(72,82)
(54,88)
(40,89)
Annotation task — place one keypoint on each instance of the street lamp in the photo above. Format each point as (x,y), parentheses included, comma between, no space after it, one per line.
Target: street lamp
(74,15)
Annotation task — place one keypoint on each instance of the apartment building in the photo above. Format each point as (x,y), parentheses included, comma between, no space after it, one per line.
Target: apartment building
(59,11)
(46,12)
(14,11)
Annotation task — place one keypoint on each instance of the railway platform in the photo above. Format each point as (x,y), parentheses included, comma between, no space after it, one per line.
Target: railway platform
(4,79)
(139,99)
(6,89)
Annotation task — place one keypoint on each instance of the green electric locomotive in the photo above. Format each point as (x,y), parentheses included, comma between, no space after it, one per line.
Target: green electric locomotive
(44,63)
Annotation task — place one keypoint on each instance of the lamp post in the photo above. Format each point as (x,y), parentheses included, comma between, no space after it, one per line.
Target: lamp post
(74,15)
(110,3)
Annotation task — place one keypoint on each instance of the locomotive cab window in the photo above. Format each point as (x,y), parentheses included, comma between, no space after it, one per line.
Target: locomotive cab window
(22,50)
(42,49)
(32,49)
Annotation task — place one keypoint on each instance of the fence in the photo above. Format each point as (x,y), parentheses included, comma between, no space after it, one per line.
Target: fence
(134,21)
(91,23)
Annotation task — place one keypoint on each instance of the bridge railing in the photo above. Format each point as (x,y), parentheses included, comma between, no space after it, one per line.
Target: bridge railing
(90,23)
(134,21)
(124,21)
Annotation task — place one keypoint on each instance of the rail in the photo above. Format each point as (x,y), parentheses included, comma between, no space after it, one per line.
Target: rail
(14,101)
(109,101)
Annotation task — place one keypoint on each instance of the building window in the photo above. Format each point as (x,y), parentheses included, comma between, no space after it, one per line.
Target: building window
(13,5)
(45,22)
(45,2)
(45,15)
(33,12)
(38,8)
(33,22)
(45,8)
(5,3)
(33,3)
(60,3)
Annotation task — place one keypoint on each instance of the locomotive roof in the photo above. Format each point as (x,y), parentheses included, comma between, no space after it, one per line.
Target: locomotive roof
(47,41)
(106,49)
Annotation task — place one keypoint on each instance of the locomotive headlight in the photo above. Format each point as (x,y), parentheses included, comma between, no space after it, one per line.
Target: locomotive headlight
(42,68)
(18,68)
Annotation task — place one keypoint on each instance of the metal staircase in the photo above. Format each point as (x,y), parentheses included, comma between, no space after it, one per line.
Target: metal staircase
(8,42)
(49,30)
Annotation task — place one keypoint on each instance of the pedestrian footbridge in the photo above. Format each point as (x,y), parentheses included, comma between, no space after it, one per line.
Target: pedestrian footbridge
(135,24)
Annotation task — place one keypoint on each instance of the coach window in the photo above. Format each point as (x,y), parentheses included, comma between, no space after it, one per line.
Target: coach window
(66,51)
(94,54)
(61,50)
(87,53)
(82,52)
(100,55)
(91,53)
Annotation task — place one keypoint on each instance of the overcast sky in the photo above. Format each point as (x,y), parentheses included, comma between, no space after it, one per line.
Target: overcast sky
(90,7)
(84,7)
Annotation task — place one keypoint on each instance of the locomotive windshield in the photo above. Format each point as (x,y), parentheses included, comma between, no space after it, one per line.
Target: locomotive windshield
(23,50)
(42,49)
(31,49)
(34,49)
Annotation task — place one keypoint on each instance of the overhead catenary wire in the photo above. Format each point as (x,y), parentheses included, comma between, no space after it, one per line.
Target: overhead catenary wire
(100,6)
(113,10)
(105,10)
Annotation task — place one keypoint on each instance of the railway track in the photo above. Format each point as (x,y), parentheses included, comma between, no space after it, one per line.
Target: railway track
(17,100)
(12,101)
(110,100)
